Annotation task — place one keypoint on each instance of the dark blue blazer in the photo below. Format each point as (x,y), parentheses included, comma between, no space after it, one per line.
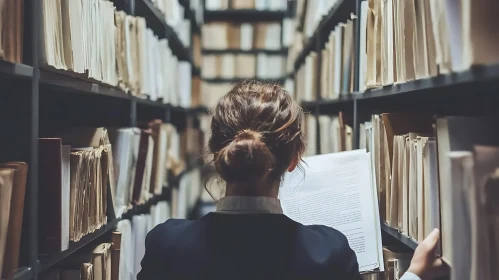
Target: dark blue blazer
(246,246)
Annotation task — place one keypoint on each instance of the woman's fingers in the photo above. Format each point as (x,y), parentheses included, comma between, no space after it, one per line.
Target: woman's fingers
(432,239)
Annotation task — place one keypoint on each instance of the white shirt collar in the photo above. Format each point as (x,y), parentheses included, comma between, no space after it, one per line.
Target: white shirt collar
(249,205)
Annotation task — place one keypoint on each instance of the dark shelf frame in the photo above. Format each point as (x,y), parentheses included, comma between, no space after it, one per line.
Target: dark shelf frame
(196,71)
(16,70)
(244,15)
(23,273)
(48,262)
(36,96)
(238,80)
(283,51)
(484,77)
(68,82)
(406,240)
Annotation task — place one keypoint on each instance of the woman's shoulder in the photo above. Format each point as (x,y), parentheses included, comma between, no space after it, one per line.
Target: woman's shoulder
(329,247)
(167,233)
(328,234)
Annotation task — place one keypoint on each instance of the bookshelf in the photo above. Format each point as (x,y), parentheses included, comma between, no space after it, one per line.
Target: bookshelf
(35,99)
(471,92)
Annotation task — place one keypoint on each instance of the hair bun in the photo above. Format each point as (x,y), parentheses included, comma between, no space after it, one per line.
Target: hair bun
(247,156)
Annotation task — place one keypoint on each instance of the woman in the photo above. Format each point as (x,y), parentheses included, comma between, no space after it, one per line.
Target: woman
(256,137)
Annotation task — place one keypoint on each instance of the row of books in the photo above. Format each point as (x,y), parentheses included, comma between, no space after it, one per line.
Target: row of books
(334,134)
(336,66)
(121,258)
(73,191)
(406,172)
(244,36)
(13,176)
(174,17)
(212,92)
(273,5)
(185,197)
(11,27)
(245,66)
(134,234)
(118,259)
(437,173)
(440,173)
(93,40)
(80,37)
(310,13)
(146,65)
(90,175)
(408,40)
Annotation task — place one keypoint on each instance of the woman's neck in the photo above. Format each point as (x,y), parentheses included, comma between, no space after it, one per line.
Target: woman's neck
(270,189)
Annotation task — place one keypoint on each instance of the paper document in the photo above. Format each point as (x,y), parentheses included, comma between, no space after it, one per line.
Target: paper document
(337,190)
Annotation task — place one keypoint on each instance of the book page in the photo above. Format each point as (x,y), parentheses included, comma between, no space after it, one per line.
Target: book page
(336,190)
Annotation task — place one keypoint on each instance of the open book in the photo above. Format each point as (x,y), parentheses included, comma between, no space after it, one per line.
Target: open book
(338,190)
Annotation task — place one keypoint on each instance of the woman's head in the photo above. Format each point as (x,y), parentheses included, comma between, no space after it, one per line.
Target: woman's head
(256,134)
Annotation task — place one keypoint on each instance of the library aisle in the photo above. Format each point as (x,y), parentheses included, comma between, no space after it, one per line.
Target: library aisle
(105,113)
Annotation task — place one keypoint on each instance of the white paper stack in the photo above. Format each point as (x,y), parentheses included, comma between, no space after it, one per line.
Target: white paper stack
(338,191)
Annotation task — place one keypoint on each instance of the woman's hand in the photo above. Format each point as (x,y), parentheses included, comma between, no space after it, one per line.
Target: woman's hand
(425,263)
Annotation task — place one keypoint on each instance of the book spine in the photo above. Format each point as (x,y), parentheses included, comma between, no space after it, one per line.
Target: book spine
(49,196)
(141,164)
